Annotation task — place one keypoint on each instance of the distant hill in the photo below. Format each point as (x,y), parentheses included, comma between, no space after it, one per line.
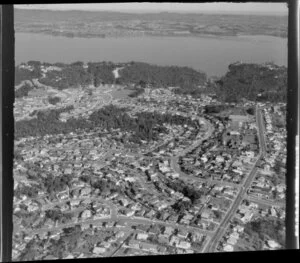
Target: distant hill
(256,82)
(111,24)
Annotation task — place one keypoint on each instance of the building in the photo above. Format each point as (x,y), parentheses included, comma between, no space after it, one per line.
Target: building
(142,236)
(183,245)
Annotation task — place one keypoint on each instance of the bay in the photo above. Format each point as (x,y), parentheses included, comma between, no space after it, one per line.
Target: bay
(209,54)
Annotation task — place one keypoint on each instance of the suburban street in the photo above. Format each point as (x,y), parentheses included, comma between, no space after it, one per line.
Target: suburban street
(211,247)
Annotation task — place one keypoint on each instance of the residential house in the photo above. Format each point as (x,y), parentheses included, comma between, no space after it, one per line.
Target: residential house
(142,236)
(183,245)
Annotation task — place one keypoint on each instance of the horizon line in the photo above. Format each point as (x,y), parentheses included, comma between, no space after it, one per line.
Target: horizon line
(145,11)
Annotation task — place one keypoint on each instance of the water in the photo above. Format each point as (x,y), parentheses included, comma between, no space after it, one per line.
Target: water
(209,54)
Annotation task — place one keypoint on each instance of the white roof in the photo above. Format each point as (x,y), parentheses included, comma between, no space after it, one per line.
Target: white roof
(228,248)
(273,244)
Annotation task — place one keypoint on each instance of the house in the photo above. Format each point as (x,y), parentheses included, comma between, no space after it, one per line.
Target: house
(85,226)
(204,223)
(74,203)
(32,207)
(197,236)
(163,239)
(43,235)
(140,213)
(220,159)
(239,228)
(164,216)
(130,212)
(272,244)
(49,257)
(205,214)
(70,256)
(148,247)
(183,245)
(228,248)
(235,235)
(64,207)
(86,214)
(142,236)
(154,231)
(150,214)
(247,217)
(68,171)
(99,250)
(120,234)
(120,224)
(232,241)
(110,224)
(29,237)
(162,249)
(182,233)
(124,202)
(168,231)
(49,223)
(63,195)
(55,234)
(162,205)
(15,254)
(174,240)
(85,192)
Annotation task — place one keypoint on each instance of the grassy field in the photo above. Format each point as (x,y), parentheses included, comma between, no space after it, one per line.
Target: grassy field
(120,93)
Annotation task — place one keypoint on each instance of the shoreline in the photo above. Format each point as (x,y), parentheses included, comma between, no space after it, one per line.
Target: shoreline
(203,35)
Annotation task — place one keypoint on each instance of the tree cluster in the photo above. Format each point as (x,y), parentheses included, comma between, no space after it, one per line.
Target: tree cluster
(23,91)
(163,76)
(102,73)
(208,109)
(53,100)
(188,191)
(71,76)
(96,73)
(136,92)
(181,206)
(267,229)
(253,82)
(53,185)
(145,126)
(251,110)
(30,191)
(192,90)
(57,215)
(47,122)
(26,74)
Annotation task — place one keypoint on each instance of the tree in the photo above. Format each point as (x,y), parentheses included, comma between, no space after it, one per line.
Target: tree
(54,100)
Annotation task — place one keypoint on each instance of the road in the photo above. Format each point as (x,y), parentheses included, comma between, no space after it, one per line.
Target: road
(174,165)
(116,72)
(143,221)
(234,207)
(123,240)
(174,159)
(211,247)
(261,131)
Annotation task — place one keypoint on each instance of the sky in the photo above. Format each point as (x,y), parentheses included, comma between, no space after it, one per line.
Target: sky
(143,7)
